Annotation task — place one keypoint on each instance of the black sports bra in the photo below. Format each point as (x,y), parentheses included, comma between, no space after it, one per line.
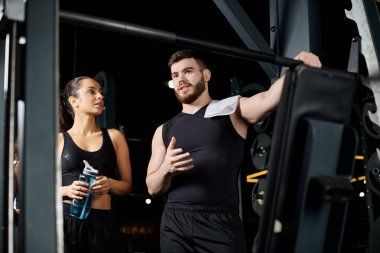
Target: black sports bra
(104,159)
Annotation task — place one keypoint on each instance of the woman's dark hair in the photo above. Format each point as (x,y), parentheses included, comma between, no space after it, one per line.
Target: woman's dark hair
(66,113)
(187,53)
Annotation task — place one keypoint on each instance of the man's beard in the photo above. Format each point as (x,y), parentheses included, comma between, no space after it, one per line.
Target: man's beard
(199,88)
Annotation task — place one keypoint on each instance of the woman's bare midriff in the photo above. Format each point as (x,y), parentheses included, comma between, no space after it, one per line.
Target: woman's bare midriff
(102,202)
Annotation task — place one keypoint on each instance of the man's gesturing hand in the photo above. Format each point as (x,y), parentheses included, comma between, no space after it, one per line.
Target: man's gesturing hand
(176,159)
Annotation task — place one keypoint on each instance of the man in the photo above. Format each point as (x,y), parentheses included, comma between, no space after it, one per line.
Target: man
(196,157)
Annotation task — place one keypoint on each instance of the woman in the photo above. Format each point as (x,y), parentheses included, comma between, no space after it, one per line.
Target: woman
(107,151)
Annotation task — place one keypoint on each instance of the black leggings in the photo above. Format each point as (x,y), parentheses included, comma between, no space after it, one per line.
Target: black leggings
(98,233)
(189,228)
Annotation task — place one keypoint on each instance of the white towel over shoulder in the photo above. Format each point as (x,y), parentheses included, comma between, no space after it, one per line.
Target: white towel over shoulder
(222,107)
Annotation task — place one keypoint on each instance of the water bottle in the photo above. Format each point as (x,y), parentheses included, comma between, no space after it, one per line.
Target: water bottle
(80,208)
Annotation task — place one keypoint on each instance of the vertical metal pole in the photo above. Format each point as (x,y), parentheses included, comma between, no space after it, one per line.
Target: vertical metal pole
(10,77)
(39,217)
(3,153)
(7,142)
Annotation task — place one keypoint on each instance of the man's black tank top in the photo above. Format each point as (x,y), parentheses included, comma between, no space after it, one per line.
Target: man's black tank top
(217,150)
(72,158)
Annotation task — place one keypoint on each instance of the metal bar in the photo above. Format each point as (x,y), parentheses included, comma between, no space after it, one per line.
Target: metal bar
(7,142)
(39,203)
(3,148)
(11,131)
(170,37)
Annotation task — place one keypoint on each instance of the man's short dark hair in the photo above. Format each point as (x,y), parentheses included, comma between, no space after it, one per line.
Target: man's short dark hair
(187,53)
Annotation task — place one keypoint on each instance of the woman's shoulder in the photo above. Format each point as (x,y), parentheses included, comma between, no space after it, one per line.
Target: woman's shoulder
(114,133)
(117,138)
